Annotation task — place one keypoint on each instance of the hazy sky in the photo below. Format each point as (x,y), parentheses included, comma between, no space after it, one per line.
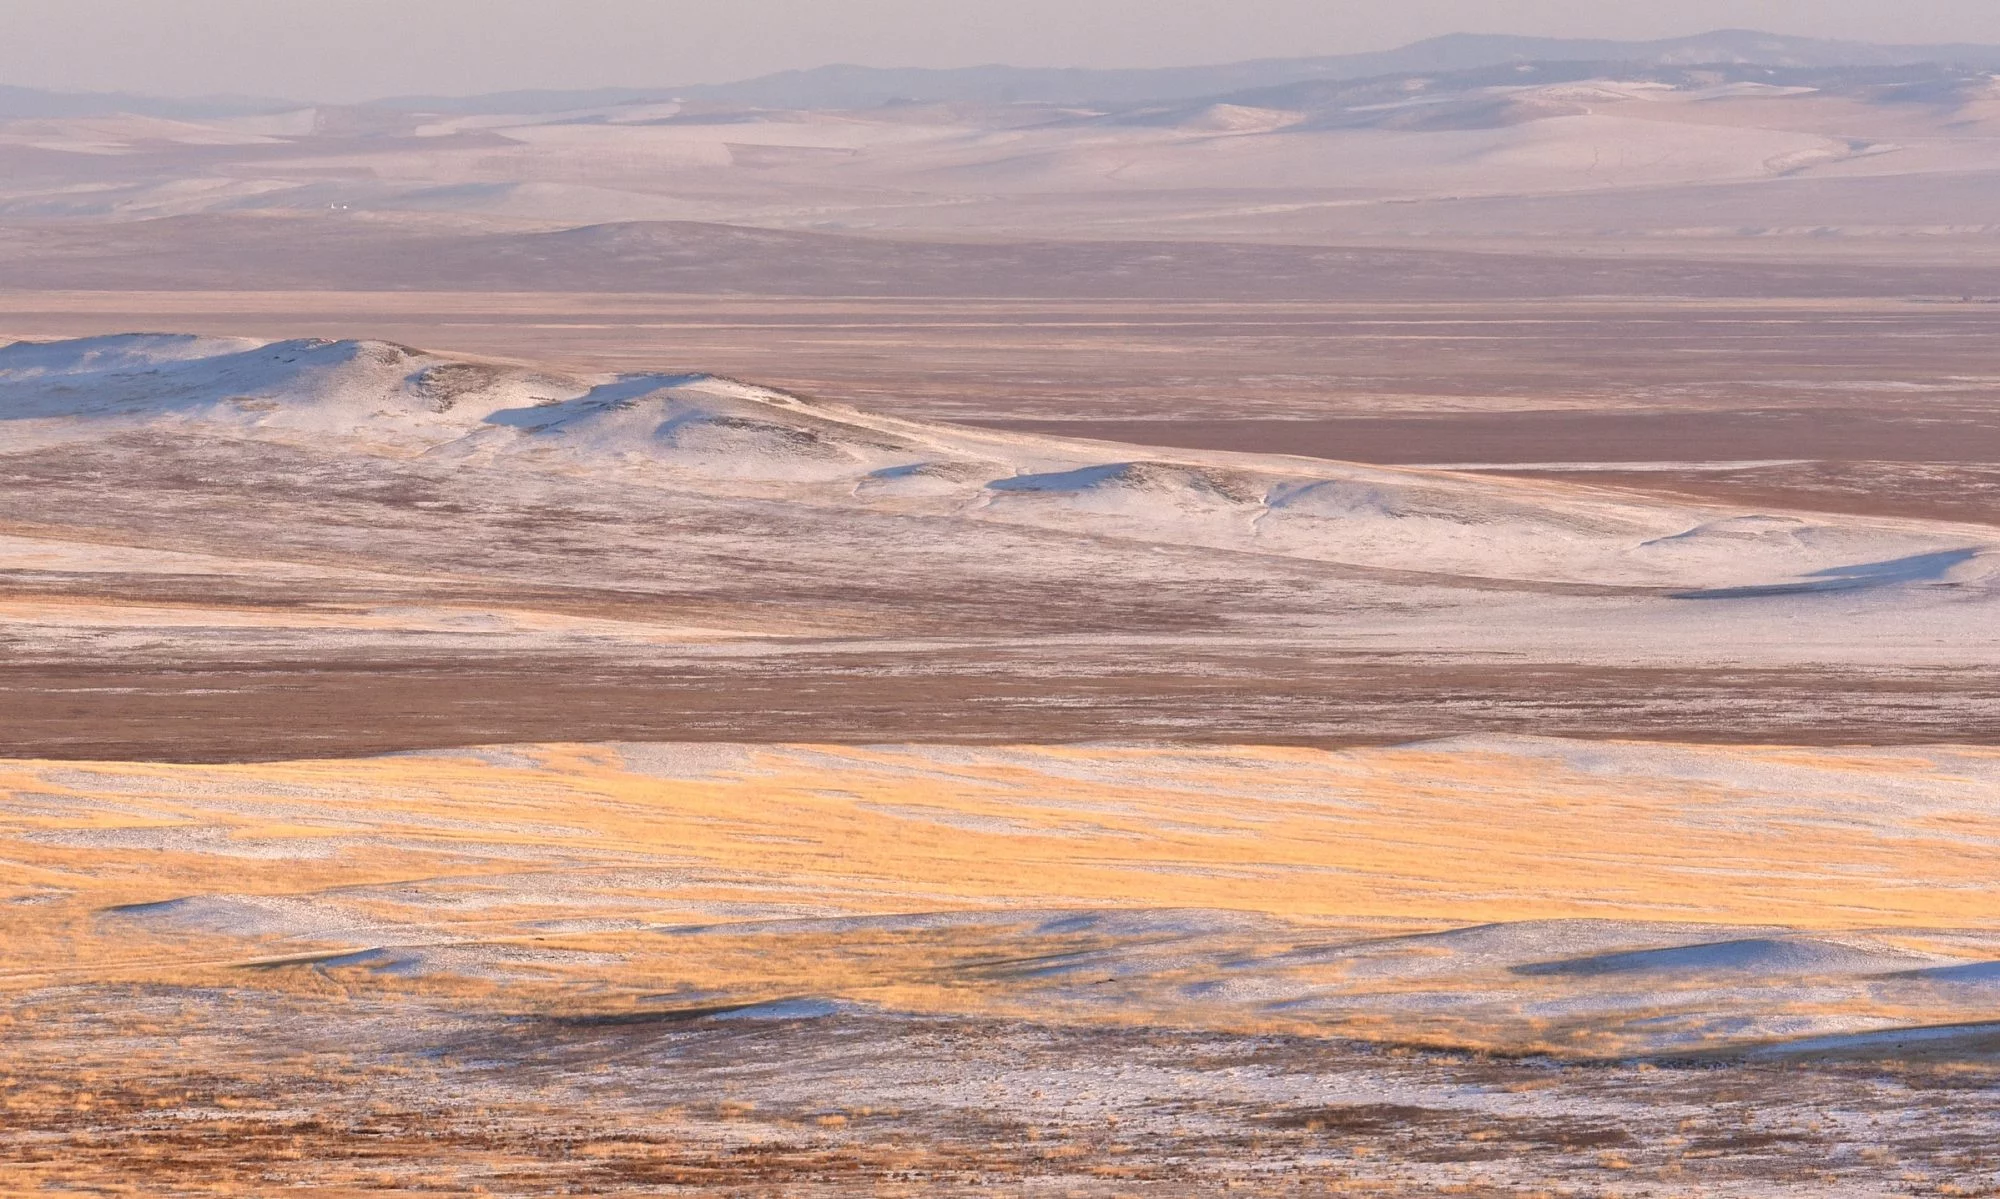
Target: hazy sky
(352,49)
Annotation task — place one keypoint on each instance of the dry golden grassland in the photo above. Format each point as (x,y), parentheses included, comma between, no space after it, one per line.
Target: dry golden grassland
(925,970)
(553,870)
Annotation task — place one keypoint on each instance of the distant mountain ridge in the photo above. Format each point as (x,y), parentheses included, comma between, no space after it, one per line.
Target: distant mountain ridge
(849,86)
(1473,97)
(840,86)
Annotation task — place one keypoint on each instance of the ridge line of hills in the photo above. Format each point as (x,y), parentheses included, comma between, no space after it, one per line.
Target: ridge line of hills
(724,439)
(853,86)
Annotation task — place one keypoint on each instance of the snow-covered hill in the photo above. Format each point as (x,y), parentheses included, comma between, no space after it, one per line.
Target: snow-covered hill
(725,438)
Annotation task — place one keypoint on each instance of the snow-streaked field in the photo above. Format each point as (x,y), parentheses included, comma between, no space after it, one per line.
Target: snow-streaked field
(1668,158)
(426,505)
(739,910)
(723,438)
(820,967)
(1506,894)
(650,747)
(1239,164)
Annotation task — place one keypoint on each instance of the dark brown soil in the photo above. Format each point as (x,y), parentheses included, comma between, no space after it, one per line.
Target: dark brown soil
(1832,433)
(338,708)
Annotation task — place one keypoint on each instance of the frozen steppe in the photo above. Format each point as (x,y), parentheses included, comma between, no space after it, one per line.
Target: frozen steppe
(1495,963)
(1419,634)
(231,503)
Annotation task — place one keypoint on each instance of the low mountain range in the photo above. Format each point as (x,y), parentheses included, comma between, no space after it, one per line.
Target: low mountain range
(844,85)
(852,86)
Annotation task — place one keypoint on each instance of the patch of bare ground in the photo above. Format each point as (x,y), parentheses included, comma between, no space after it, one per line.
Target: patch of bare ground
(1840,435)
(255,711)
(1191,357)
(1941,490)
